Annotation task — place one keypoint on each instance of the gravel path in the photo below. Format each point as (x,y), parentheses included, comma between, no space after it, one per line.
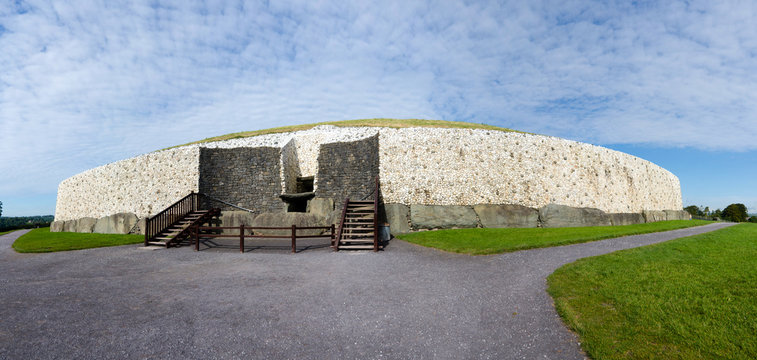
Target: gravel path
(406,302)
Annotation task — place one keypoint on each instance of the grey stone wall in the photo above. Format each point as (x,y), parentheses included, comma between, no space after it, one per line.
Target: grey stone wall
(347,169)
(404,219)
(246,177)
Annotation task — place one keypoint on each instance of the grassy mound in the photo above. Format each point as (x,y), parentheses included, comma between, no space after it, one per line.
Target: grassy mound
(689,298)
(495,241)
(390,123)
(42,240)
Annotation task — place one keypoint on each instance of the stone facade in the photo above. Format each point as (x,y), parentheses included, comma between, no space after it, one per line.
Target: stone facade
(246,177)
(347,169)
(425,174)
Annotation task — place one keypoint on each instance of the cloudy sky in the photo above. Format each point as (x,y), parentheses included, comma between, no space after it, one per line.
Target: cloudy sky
(85,83)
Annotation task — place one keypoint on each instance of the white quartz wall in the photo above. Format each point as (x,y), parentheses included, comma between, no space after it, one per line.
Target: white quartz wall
(429,166)
(468,167)
(142,185)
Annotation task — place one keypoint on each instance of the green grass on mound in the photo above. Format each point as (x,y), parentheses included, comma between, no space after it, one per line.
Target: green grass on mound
(42,240)
(495,241)
(689,298)
(390,123)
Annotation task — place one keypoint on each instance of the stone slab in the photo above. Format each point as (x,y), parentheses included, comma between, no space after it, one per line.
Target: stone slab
(677,215)
(506,216)
(320,206)
(69,226)
(56,226)
(397,217)
(287,220)
(120,223)
(85,224)
(442,217)
(626,218)
(554,215)
(654,215)
(235,218)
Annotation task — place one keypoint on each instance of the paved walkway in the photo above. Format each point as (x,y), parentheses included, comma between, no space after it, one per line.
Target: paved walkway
(406,302)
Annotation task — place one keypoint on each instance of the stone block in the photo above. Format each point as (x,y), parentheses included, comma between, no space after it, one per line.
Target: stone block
(442,217)
(140,228)
(677,215)
(626,218)
(287,220)
(56,226)
(320,206)
(553,215)
(506,216)
(397,217)
(85,224)
(654,215)
(120,223)
(235,218)
(69,226)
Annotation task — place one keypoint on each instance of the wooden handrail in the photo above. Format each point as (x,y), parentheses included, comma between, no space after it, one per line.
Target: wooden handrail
(375,215)
(341,225)
(162,220)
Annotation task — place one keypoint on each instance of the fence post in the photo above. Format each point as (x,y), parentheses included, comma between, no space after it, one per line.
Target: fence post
(333,234)
(294,238)
(147,226)
(241,238)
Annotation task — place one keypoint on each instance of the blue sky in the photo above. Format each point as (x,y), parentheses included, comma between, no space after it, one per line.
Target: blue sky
(85,83)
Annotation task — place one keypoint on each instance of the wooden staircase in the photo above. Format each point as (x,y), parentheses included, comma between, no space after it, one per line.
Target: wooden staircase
(173,225)
(358,229)
(180,230)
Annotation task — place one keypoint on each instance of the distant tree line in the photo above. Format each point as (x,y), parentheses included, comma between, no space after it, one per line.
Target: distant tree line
(25,222)
(733,212)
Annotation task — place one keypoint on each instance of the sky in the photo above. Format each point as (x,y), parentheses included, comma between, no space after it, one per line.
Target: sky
(86,83)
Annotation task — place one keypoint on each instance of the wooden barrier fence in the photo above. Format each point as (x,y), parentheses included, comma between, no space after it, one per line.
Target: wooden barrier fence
(241,236)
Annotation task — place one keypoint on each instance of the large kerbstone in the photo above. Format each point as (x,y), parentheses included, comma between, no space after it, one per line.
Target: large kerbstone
(57,226)
(397,217)
(553,215)
(506,216)
(235,219)
(626,218)
(654,215)
(120,223)
(85,225)
(287,220)
(677,215)
(442,217)
(69,226)
(140,228)
(320,206)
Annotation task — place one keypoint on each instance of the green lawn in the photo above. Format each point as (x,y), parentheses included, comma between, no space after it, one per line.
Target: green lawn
(690,298)
(495,241)
(42,240)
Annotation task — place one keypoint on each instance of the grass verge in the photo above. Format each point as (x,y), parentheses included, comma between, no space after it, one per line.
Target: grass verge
(390,123)
(42,240)
(6,232)
(689,298)
(495,241)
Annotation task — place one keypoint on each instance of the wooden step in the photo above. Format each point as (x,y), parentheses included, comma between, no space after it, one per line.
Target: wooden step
(158,243)
(360,202)
(356,247)
(356,241)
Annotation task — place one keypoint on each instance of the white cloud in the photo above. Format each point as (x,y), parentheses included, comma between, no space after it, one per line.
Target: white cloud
(86,83)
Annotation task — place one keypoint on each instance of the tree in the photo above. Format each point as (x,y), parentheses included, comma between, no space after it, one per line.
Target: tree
(694,210)
(735,213)
(753,219)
